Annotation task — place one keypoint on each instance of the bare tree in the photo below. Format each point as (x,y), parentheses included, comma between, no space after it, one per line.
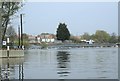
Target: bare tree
(10,32)
(8,10)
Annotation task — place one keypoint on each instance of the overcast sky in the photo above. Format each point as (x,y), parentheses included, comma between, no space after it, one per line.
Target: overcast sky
(80,17)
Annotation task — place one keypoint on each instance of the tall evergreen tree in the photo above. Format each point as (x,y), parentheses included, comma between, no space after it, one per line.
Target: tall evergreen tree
(62,32)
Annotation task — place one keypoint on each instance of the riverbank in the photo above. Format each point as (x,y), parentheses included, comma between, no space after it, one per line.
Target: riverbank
(85,45)
(72,45)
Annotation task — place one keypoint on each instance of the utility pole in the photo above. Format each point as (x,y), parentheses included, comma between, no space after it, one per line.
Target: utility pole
(19,37)
(0,30)
(0,25)
(21,30)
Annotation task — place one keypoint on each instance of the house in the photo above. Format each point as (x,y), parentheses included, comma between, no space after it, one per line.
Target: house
(88,41)
(45,37)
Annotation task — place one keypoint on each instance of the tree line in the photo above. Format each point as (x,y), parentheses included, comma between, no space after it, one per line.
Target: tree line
(62,34)
(100,36)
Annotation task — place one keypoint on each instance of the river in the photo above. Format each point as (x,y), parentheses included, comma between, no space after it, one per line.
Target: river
(72,63)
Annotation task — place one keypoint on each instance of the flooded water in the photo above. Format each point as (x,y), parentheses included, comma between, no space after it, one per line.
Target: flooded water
(73,63)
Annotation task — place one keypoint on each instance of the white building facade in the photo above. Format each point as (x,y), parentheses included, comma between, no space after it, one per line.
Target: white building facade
(46,38)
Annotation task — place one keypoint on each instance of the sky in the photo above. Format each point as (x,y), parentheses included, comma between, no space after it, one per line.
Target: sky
(71,0)
(80,17)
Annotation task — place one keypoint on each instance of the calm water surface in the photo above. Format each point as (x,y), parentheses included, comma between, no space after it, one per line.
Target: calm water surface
(74,63)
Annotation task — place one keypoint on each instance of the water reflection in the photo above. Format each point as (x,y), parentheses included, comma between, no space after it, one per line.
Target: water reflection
(87,63)
(63,59)
(8,68)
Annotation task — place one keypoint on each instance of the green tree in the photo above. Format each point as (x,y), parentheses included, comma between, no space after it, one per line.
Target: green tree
(118,39)
(113,38)
(25,36)
(86,36)
(62,32)
(25,39)
(102,36)
(92,36)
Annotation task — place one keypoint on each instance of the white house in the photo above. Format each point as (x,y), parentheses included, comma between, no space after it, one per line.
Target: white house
(48,38)
(90,41)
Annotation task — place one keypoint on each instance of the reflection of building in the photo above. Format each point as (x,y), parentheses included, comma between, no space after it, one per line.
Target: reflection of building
(63,63)
(7,68)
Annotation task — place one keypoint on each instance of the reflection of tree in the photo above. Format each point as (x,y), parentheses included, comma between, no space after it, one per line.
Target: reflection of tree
(8,67)
(63,63)
(0,74)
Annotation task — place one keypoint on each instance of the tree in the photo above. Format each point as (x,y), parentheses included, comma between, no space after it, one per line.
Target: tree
(11,33)
(86,36)
(25,39)
(92,36)
(118,39)
(62,32)
(75,39)
(102,36)
(8,10)
(113,38)
(25,36)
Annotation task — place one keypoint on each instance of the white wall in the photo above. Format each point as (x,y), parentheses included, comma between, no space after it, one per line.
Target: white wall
(48,40)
